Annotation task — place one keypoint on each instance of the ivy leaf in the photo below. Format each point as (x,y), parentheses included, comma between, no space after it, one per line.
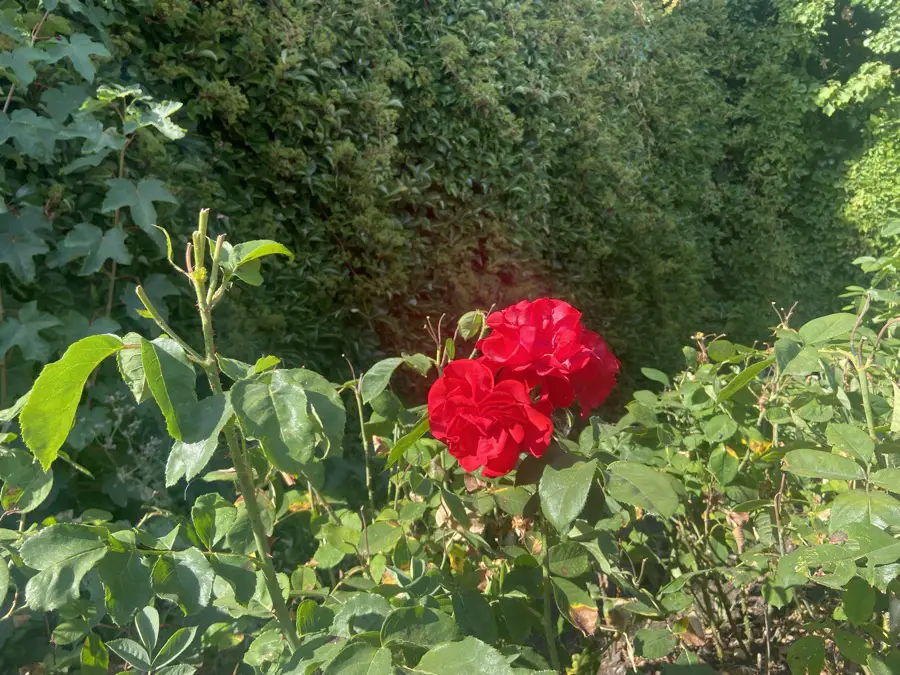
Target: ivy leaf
(127,582)
(34,135)
(139,198)
(19,243)
(78,49)
(172,381)
(23,331)
(564,492)
(157,287)
(19,63)
(48,415)
(185,578)
(63,554)
(201,425)
(212,516)
(276,414)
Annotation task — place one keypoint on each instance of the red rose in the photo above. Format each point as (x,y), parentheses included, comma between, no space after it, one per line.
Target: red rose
(543,345)
(485,423)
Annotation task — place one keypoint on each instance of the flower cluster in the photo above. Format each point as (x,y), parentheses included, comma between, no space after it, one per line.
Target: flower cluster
(537,357)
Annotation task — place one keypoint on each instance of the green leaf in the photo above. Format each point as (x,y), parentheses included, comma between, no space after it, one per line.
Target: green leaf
(78,49)
(888,479)
(48,415)
(131,367)
(213,516)
(806,656)
(719,429)
(474,616)
(654,643)
(379,537)
(240,537)
(139,198)
(276,414)
(818,464)
(200,429)
(359,658)
(175,646)
(742,379)
(18,63)
(69,631)
(25,485)
(642,486)
(470,324)
(564,492)
(724,464)
(185,578)
(418,362)
(361,612)
(131,653)
(568,560)
(851,440)
(326,408)
(23,331)
(147,624)
(64,554)
(858,601)
(63,101)
(248,251)
(805,363)
(313,618)
(656,376)
(94,656)
(421,626)
(827,328)
(94,245)
(127,582)
(377,378)
(157,114)
(266,647)
(172,381)
(407,441)
(853,647)
(859,506)
(466,657)
(20,241)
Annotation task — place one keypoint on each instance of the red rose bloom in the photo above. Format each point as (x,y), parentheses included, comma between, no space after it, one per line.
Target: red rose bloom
(543,344)
(485,423)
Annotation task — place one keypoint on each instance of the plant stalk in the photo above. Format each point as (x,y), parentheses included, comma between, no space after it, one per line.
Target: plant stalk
(365,445)
(548,608)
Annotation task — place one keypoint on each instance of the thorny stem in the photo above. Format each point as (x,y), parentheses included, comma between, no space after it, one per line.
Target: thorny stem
(548,606)
(2,363)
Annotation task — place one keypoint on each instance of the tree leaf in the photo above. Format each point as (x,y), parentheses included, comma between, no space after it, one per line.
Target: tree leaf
(654,643)
(78,49)
(185,578)
(212,516)
(466,657)
(421,626)
(200,429)
(827,328)
(139,198)
(642,486)
(94,245)
(851,440)
(48,415)
(127,582)
(563,492)
(359,658)
(23,331)
(131,653)
(378,377)
(64,554)
(172,381)
(818,464)
(175,646)
(20,242)
(277,415)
